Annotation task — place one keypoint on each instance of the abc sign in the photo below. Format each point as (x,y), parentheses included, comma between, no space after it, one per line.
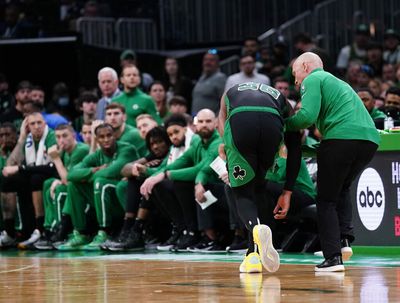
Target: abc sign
(370,199)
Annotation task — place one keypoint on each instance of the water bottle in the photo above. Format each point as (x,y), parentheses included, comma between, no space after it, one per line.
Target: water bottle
(388,123)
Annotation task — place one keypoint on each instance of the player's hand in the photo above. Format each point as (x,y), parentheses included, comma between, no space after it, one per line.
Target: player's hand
(149,183)
(225,178)
(221,151)
(94,125)
(53,152)
(24,130)
(199,193)
(153,163)
(10,170)
(283,205)
(138,169)
(53,187)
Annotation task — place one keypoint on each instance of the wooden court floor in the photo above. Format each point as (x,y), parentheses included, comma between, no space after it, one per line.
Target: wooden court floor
(42,279)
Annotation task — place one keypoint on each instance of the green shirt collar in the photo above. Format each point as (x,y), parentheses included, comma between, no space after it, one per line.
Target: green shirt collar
(317,70)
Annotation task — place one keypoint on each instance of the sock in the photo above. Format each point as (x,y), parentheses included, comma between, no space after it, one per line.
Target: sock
(128,223)
(9,227)
(39,223)
(139,225)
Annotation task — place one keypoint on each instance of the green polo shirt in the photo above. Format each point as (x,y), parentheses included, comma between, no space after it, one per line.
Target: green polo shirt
(334,107)
(137,103)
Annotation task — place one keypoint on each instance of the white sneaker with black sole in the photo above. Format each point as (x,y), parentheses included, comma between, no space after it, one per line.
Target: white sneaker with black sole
(28,244)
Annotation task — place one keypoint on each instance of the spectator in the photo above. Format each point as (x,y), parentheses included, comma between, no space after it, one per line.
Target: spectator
(86,133)
(357,51)
(365,74)
(283,86)
(87,103)
(210,86)
(251,47)
(303,43)
(391,46)
(15,114)
(158,93)
(392,103)
(374,86)
(369,101)
(6,99)
(175,82)
(389,72)
(15,25)
(375,58)
(178,105)
(248,73)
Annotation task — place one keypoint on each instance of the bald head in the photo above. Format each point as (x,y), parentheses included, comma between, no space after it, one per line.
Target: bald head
(206,123)
(304,65)
(206,113)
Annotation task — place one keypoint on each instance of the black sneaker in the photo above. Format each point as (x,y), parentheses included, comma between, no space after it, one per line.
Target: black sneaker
(207,245)
(346,249)
(331,265)
(134,242)
(122,236)
(187,239)
(171,242)
(44,242)
(151,241)
(239,245)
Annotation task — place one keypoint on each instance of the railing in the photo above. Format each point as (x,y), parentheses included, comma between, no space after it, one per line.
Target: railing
(136,34)
(230,65)
(96,31)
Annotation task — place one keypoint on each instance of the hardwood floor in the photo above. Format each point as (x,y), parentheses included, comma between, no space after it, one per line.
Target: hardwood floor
(83,280)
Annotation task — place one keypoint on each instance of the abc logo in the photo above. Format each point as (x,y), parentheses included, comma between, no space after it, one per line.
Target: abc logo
(370,199)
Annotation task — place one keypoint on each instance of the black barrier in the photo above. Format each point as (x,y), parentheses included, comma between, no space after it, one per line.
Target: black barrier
(376,201)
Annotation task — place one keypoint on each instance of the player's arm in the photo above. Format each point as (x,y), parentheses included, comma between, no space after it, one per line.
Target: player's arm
(222,116)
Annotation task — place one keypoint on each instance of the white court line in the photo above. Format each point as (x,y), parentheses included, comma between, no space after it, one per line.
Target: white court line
(18,269)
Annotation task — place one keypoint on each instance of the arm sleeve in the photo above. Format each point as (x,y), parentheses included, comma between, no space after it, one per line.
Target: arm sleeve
(310,105)
(293,144)
(113,171)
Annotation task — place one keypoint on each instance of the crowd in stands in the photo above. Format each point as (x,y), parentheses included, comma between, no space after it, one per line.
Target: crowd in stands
(128,165)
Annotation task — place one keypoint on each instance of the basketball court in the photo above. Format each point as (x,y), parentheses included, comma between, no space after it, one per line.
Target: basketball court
(372,275)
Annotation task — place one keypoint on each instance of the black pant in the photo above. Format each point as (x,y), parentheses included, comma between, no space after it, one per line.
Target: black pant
(257,136)
(339,162)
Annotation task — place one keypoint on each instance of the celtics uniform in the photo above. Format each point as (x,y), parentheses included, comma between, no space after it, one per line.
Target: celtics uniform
(54,207)
(131,136)
(97,190)
(253,130)
(137,103)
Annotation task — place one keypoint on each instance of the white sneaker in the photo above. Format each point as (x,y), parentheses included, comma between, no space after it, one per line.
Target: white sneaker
(263,239)
(32,240)
(5,240)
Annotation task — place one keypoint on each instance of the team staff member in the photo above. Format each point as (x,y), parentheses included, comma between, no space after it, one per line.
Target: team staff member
(133,99)
(251,122)
(349,141)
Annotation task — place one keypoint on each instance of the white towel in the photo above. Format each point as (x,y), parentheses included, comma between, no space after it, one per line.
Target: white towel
(31,156)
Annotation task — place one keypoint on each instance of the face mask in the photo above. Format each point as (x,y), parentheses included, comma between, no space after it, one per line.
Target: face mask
(392,111)
(63,101)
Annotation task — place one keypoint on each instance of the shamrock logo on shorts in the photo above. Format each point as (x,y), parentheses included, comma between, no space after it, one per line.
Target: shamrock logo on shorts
(238,172)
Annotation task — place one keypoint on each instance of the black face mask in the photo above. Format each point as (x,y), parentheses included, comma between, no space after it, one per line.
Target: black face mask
(392,111)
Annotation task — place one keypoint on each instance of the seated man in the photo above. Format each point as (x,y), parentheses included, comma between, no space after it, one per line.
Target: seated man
(65,156)
(92,182)
(27,168)
(368,99)
(194,167)
(128,192)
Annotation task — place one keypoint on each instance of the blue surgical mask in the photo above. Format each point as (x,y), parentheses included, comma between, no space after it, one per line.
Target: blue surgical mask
(63,101)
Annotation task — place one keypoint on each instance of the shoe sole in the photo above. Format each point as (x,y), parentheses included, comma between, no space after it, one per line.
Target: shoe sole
(347,252)
(165,248)
(330,268)
(269,256)
(255,269)
(125,249)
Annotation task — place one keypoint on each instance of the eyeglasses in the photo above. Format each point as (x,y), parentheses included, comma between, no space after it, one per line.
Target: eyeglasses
(212,51)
